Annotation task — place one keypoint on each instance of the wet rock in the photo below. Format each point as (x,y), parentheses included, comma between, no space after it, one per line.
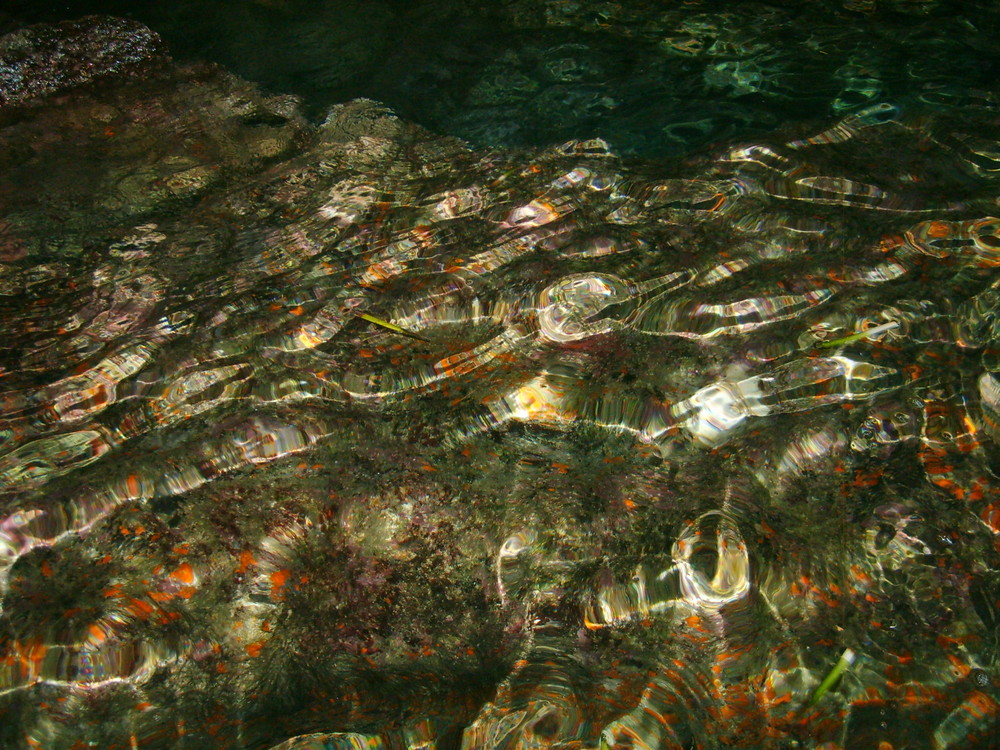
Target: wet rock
(100,156)
(41,60)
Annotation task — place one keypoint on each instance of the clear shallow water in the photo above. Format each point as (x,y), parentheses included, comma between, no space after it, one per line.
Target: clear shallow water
(356,430)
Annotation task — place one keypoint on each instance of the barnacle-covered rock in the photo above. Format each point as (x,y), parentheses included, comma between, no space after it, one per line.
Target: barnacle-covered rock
(41,60)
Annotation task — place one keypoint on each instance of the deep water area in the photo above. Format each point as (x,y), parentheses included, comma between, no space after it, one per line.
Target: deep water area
(410,376)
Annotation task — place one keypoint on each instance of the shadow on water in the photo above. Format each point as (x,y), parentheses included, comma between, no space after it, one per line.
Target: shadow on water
(653,79)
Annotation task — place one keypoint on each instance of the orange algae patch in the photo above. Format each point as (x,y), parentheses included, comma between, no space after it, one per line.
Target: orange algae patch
(184,573)
(279,578)
(246,560)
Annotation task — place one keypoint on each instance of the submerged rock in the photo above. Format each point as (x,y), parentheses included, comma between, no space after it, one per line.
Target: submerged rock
(43,59)
(348,433)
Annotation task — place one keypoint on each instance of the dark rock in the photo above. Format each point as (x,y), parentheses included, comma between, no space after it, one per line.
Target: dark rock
(43,59)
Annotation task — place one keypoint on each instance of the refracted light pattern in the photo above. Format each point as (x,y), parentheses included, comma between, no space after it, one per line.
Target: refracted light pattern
(671,441)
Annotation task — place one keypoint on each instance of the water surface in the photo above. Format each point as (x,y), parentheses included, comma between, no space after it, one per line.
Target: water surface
(625,377)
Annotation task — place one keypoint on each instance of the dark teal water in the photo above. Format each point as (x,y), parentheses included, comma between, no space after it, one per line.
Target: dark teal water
(652,78)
